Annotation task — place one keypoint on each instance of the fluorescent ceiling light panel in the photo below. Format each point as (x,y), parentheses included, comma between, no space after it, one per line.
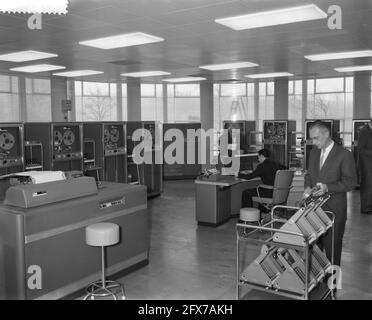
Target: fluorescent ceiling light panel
(37,68)
(34,6)
(77,73)
(28,55)
(354,69)
(228,66)
(269,75)
(122,40)
(339,55)
(145,74)
(274,17)
(185,79)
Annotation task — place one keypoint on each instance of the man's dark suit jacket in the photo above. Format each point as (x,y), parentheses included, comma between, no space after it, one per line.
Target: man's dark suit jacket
(266,171)
(365,166)
(338,173)
(365,141)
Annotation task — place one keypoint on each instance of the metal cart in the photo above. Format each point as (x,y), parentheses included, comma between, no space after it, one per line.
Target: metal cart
(289,263)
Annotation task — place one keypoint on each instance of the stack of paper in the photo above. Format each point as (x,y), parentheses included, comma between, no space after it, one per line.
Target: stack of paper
(38,177)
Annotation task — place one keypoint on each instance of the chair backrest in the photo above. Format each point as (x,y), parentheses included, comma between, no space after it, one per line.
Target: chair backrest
(282,186)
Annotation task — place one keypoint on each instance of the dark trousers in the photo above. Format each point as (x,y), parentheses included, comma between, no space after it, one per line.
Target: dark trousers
(326,242)
(365,184)
(248,194)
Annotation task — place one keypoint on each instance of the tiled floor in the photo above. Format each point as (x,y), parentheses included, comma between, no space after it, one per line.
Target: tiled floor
(188,261)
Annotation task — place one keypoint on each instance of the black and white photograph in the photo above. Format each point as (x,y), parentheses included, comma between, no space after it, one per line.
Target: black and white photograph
(185,155)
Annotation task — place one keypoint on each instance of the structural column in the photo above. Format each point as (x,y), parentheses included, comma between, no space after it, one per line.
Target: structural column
(71,95)
(22,99)
(119,101)
(206,113)
(362,96)
(281,99)
(58,93)
(304,103)
(256,102)
(134,100)
(165,102)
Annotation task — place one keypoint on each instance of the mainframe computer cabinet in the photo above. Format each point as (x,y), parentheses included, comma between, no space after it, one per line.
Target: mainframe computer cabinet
(105,150)
(148,174)
(182,170)
(278,138)
(62,144)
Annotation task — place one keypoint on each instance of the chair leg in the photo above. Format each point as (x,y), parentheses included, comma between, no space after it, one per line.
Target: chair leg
(245,229)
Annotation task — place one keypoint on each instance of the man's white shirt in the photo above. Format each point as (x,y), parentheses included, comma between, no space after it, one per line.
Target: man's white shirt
(324,154)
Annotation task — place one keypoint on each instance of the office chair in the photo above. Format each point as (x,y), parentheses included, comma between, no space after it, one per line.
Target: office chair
(282,186)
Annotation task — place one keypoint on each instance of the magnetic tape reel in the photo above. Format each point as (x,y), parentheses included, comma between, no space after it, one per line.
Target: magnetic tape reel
(58,138)
(68,137)
(7,141)
(106,134)
(114,135)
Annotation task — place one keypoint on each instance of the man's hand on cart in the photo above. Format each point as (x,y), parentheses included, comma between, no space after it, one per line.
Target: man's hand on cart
(321,189)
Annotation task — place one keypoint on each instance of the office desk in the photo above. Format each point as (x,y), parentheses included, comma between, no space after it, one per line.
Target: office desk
(218,198)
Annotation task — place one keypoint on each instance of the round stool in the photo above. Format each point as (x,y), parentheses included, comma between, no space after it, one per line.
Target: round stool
(103,235)
(250,216)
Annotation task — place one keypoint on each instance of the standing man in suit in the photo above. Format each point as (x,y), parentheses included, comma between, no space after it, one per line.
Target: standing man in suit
(365,166)
(332,170)
(266,170)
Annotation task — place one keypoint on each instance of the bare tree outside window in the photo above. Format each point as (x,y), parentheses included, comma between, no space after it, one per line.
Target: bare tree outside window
(320,109)
(97,108)
(327,106)
(97,103)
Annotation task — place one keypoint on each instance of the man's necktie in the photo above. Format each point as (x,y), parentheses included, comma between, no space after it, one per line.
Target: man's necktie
(321,159)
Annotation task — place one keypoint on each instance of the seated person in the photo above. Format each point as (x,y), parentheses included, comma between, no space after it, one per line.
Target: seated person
(266,170)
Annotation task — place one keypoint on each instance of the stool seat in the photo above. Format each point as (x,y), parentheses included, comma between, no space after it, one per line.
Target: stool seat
(102,234)
(249,214)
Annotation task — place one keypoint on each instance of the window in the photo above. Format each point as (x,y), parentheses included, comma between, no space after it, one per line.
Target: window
(265,103)
(233,90)
(9,99)
(329,85)
(183,102)
(187,90)
(152,102)
(332,99)
(233,102)
(295,103)
(95,101)
(38,100)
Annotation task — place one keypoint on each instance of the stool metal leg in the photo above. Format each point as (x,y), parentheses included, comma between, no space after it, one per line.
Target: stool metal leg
(98,181)
(103,287)
(103,268)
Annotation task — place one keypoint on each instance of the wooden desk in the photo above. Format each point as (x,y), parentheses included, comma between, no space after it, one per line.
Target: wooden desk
(218,198)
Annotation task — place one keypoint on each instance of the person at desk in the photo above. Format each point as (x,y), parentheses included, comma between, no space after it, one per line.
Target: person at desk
(266,170)
(365,165)
(332,170)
